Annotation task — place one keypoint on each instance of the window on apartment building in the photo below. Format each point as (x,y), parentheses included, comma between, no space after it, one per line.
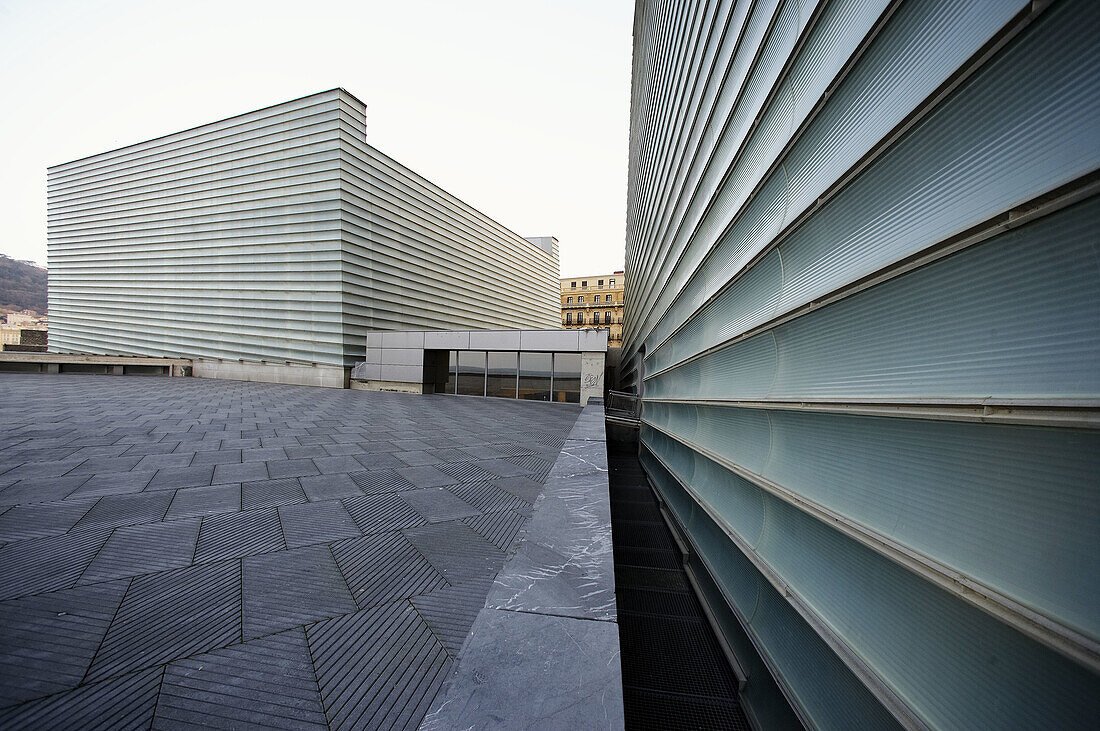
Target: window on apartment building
(600,283)
(573,285)
(607,317)
(568,318)
(595,318)
(580,318)
(580,298)
(612,283)
(584,282)
(596,298)
(568,300)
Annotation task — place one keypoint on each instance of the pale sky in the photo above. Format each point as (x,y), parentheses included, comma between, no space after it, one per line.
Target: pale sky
(520,108)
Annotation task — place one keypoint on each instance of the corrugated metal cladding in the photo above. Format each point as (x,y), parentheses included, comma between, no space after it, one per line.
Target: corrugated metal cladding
(863,312)
(275,235)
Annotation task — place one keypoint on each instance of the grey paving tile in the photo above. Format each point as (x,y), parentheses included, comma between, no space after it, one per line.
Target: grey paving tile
(329,465)
(499,527)
(426,476)
(486,496)
(243,444)
(291,588)
(50,639)
(204,501)
(379,461)
(172,615)
(380,447)
(291,468)
(144,549)
(503,468)
(221,456)
(437,504)
(171,478)
(524,488)
(316,523)
(40,489)
(304,452)
(151,448)
(240,472)
(263,454)
(163,461)
(106,464)
(411,445)
(373,482)
(270,493)
(537,468)
(116,510)
(378,668)
(49,468)
(329,487)
(383,568)
(265,683)
(456,551)
(124,703)
(23,570)
(417,458)
(382,513)
(115,483)
(450,611)
(467,472)
(36,520)
(451,454)
(235,535)
(336,450)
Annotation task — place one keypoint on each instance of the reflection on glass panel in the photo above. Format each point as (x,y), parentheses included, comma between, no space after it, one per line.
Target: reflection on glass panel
(452,374)
(471,372)
(502,375)
(534,376)
(567,377)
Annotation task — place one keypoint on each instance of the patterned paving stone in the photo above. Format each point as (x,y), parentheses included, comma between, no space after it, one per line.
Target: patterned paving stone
(456,551)
(197,501)
(46,468)
(154,462)
(486,496)
(118,510)
(329,487)
(115,483)
(24,570)
(380,481)
(50,639)
(291,588)
(221,456)
(172,615)
(383,568)
(437,504)
(272,493)
(316,523)
(291,468)
(382,513)
(124,703)
(106,464)
(40,489)
(537,468)
(36,520)
(144,549)
(265,683)
(172,478)
(499,528)
(342,463)
(426,476)
(379,668)
(240,472)
(524,488)
(450,611)
(467,472)
(257,453)
(235,535)
(503,468)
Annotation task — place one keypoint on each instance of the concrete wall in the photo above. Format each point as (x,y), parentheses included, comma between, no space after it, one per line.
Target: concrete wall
(298,374)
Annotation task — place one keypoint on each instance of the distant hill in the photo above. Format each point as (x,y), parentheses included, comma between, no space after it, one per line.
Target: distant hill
(22,286)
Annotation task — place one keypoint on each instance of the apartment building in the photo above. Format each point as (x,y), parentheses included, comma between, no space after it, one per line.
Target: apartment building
(595,301)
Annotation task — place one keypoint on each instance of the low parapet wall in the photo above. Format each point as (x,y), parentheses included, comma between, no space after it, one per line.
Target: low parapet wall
(115,365)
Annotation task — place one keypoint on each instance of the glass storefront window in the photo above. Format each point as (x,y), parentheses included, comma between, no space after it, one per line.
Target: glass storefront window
(567,377)
(452,373)
(471,373)
(534,376)
(501,380)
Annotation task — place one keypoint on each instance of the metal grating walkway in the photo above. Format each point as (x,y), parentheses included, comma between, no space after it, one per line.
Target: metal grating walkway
(675,675)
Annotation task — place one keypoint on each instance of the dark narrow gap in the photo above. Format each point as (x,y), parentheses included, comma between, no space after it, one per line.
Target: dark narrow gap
(675,675)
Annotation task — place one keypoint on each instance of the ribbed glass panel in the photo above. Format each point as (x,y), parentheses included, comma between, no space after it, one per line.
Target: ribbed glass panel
(920,46)
(825,690)
(955,665)
(1001,319)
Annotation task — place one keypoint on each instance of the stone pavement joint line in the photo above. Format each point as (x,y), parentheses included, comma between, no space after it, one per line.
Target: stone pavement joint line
(180,552)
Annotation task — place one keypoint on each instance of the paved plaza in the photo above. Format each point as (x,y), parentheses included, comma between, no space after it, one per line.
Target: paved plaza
(184,552)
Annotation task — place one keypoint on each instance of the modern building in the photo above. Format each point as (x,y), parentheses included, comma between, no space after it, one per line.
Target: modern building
(595,301)
(862,314)
(268,244)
